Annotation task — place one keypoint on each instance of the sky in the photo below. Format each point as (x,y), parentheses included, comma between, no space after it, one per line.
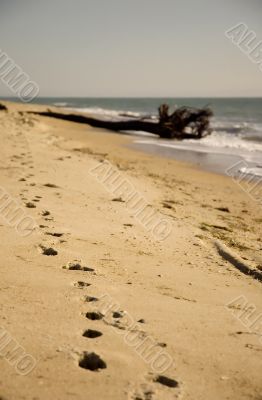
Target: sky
(131,48)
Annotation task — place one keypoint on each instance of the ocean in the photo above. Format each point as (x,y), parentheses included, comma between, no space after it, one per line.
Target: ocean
(236,136)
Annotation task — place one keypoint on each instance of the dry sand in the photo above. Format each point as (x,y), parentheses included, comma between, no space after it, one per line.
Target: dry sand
(188,344)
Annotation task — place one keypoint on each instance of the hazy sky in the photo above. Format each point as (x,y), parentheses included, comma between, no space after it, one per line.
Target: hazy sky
(131,47)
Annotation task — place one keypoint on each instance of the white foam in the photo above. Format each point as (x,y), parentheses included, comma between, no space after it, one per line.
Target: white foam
(228,141)
(109,114)
(58,104)
(257,171)
(248,151)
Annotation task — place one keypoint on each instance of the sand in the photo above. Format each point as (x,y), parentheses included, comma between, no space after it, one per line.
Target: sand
(101,305)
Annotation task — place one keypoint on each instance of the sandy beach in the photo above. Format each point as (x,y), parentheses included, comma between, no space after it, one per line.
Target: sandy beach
(123,275)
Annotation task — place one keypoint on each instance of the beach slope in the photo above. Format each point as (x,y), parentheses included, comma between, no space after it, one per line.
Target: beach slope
(118,278)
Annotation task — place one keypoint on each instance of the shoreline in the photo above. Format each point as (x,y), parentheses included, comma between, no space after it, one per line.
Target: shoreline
(212,154)
(213,163)
(180,294)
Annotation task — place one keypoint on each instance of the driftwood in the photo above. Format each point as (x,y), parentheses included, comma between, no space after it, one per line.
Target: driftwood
(183,123)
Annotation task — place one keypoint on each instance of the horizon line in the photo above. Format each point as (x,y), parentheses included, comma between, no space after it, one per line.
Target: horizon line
(138,97)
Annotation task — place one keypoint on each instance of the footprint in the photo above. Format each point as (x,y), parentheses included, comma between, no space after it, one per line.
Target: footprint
(253,347)
(81,284)
(89,299)
(148,391)
(119,199)
(91,361)
(117,314)
(55,234)
(162,344)
(92,334)
(167,205)
(94,316)
(51,185)
(223,209)
(164,380)
(30,205)
(76,266)
(45,213)
(48,251)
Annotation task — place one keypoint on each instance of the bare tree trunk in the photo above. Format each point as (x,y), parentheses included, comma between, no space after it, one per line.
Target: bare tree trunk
(183,123)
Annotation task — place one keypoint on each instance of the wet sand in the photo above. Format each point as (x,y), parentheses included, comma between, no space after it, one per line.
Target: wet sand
(213,162)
